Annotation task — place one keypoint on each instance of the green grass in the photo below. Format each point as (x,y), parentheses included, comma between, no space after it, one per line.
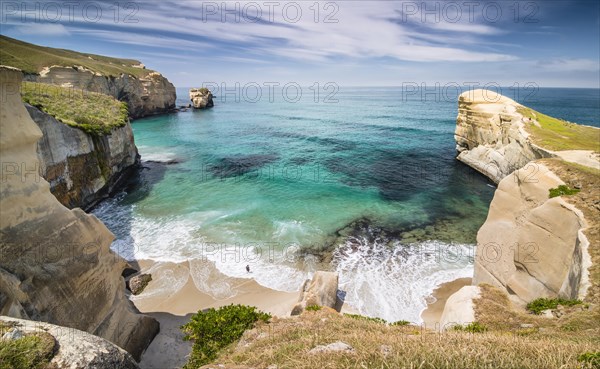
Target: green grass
(562,190)
(538,305)
(91,112)
(32,59)
(474,327)
(313,308)
(558,135)
(592,358)
(366,318)
(29,352)
(213,330)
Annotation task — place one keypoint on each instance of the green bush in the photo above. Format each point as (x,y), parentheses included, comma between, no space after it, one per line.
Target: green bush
(474,327)
(538,305)
(592,358)
(212,330)
(562,190)
(313,308)
(401,323)
(29,352)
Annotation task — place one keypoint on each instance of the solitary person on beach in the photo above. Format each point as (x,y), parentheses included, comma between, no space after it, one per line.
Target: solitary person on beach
(248,268)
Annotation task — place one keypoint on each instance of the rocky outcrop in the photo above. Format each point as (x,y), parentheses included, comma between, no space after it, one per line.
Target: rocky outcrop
(75,349)
(532,245)
(201,98)
(82,169)
(490,135)
(320,291)
(55,264)
(459,308)
(149,95)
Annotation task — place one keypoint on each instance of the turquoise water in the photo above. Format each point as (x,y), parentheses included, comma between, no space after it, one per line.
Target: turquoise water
(367,186)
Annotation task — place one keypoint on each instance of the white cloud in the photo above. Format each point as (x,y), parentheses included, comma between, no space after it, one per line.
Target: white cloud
(46,29)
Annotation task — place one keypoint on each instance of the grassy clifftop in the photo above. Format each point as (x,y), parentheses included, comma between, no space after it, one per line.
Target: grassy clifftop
(557,135)
(91,112)
(33,58)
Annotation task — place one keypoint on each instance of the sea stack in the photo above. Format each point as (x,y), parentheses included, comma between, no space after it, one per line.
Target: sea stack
(201,98)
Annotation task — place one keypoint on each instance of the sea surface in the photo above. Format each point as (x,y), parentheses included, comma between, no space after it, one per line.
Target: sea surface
(364,182)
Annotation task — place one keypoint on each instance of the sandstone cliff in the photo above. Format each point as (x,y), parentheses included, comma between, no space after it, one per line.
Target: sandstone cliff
(82,168)
(55,263)
(148,95)
(530,244)
(490,134)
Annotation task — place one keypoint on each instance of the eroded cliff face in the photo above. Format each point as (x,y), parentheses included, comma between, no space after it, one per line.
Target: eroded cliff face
(150,95)
(490,135)
(55,263)
(532,245)
(81,168)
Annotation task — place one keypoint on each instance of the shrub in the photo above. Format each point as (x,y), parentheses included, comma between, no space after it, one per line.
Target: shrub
(212,330)
(401,323)
(29,352)
(313,308)
(474,327)
(538,305)
(592,358)
(562,190)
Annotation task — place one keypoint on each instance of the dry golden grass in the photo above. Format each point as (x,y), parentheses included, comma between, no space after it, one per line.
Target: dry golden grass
(287,342)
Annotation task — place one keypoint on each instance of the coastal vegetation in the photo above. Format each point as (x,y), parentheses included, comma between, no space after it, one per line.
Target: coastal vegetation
(213,329)
(31,351)
(92,112)
(555,134)
(562,190)
(287,343)
(538,305)
(32,59)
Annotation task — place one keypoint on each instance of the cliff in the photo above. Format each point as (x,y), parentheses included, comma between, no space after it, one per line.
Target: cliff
(82,168)
(55,264)
(146,92)
(148,95)
(531,245)
(490,134)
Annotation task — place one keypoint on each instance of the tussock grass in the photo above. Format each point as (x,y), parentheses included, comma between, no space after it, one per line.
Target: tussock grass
(91,112)
(32,59)
(33,351)
(558,135)
(286,343)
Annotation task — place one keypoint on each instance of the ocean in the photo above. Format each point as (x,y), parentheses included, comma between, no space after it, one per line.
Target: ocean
(364,182)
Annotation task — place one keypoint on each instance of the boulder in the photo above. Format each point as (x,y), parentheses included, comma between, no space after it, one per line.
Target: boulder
(136,284)
(201,98)
(76,349)
(320,291)
(338,346)
(459,308)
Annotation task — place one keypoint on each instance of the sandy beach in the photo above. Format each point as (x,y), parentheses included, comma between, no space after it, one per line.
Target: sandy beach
(432,314)
(178,290)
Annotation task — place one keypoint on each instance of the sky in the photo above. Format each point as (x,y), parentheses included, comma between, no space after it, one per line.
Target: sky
(352,43)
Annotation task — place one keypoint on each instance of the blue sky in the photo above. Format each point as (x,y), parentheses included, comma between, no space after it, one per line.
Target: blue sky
(356,43)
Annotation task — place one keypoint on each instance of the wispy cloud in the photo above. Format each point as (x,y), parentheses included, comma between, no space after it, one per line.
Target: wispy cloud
(50,29)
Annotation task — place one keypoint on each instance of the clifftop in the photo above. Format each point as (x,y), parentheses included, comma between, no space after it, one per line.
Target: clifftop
(32,59)
(496,135)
